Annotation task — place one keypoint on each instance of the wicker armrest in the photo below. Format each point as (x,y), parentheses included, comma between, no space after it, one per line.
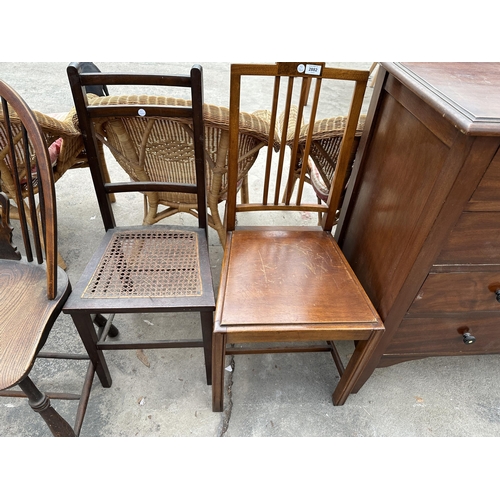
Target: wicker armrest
(255,124)
(330,127)
(53,126)
(53,129)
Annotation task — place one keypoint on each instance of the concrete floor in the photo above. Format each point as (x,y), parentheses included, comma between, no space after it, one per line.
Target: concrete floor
(163,393)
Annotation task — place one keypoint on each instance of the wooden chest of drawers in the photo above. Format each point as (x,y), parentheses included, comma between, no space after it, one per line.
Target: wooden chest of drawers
(421,222)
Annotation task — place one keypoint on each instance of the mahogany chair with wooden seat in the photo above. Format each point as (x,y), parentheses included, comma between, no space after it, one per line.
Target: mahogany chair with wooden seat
(290,284)
(155,269)
(33,289)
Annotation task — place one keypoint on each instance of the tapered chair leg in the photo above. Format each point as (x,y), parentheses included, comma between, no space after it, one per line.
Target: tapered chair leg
(218,361)
(207,326)
(84,325)
(359,359)
(41,404)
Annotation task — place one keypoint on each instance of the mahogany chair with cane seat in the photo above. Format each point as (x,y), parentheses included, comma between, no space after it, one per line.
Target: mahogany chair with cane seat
(174,161)
(33,289)
(157,269)
(290,284)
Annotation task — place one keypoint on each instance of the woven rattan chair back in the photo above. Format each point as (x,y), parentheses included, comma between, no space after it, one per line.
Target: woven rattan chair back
(33,288)
(128,139)
(285,282)
(326,141)
(154,269)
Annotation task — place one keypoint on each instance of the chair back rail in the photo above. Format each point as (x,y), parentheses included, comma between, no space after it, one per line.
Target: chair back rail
(31,158)
(288,109)
(89,115)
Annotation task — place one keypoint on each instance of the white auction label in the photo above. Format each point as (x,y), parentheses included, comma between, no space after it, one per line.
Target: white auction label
(313,69)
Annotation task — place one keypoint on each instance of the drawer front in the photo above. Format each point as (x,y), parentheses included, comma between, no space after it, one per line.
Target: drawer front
(444,336)
(474,240)
(449,293)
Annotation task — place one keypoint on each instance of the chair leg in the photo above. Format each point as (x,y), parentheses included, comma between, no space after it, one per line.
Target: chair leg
(359,360)
(84,399)
(218,359)
(84,324)
(216,221)
(41,404)
(207,327)
(101,322)
(245,198)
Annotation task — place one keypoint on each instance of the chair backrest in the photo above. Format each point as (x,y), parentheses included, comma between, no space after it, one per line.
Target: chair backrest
(147,121)
(288,109)
(31,172)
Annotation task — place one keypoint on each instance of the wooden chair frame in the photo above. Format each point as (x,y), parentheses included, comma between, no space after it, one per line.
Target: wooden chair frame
(33,288)
(291,284)
(135,249)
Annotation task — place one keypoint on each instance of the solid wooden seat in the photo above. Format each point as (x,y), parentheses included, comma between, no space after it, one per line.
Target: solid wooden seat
(290,278)
(26,312)
(290,284)
(160,268)
(33,288)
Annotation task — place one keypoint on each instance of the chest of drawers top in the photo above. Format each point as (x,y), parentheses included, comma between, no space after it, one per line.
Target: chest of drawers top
(466,94)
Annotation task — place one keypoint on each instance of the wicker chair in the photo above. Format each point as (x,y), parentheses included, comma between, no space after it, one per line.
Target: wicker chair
(65,149)
(173,159)
(324,150)
(66,153)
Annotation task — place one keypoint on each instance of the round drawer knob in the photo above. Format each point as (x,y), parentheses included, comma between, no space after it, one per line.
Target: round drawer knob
(468,338)
(497,293)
